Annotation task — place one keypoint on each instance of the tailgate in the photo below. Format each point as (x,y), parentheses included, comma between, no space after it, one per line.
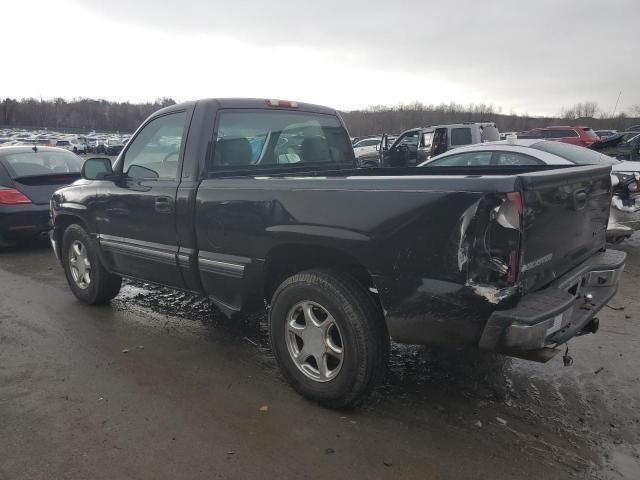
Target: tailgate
(565,220)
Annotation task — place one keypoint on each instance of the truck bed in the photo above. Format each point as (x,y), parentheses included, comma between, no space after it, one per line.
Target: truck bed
(408,229)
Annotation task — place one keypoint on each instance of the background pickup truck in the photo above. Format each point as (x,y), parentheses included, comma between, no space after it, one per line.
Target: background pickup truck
(255,203)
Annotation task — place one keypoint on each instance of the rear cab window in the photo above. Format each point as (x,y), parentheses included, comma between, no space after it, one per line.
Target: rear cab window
(260,139)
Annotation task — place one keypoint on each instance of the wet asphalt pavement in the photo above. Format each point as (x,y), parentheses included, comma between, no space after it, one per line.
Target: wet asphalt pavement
(159,385)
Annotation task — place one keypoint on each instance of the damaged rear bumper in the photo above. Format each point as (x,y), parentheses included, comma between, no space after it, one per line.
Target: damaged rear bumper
(624,218)
(549,317)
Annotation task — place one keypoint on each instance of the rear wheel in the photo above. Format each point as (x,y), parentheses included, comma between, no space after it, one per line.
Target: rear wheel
(89,281)
(328,336)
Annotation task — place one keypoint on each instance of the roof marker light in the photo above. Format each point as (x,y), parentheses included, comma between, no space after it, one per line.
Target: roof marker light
(282,103)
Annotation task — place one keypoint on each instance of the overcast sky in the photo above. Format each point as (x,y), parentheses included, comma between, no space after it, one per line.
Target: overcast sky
(531,57)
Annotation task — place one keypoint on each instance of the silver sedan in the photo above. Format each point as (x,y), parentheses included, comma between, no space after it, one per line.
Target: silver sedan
(625,204)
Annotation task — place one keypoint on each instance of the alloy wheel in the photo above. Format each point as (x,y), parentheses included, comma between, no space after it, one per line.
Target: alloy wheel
(314,341)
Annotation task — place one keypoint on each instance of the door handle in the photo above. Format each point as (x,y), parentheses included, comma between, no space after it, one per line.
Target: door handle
(163,204)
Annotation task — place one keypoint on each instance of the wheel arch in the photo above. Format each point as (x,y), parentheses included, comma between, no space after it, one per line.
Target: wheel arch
(61,223)
(286,260)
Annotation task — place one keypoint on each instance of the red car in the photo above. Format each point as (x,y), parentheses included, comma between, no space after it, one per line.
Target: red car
(581,136)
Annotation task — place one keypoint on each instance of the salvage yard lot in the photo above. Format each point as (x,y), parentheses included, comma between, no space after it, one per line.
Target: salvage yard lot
(159,385)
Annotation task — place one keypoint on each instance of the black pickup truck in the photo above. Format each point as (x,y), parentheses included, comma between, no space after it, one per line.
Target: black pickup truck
(257,204)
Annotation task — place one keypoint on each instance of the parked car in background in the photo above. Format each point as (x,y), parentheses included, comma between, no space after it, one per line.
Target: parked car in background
(623,146)
(345,258)
(78,146)
(604,134)
(418,144)
(28,177)
(581,136)
(100,145)
(369,157)
(624,217)
(356,140)
(60,143)
(366,145)
(113,146)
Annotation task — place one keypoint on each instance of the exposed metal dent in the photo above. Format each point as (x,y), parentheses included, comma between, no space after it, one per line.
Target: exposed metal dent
(492,294)
(463,244)
(72,206)
(618,203)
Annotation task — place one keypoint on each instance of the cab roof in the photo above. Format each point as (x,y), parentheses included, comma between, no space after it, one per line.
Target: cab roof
(252,103)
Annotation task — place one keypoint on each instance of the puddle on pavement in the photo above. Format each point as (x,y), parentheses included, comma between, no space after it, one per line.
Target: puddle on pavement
(557,414)
(623,464)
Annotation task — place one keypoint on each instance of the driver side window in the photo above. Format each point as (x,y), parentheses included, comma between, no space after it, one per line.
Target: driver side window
(155,150)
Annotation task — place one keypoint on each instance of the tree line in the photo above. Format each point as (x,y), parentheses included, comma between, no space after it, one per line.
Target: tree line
(90,114)
(83,113)
(383,119)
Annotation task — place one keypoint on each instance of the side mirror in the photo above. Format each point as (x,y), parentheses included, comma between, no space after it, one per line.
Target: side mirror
(96,168)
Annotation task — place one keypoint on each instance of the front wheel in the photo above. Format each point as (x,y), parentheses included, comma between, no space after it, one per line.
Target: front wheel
(328,336)
(89,281)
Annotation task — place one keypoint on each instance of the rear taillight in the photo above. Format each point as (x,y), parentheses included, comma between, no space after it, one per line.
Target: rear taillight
(11,196)
(491,242)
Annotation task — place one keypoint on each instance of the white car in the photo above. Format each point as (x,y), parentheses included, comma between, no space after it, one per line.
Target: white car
(77,146)
(625,205)
(366,146)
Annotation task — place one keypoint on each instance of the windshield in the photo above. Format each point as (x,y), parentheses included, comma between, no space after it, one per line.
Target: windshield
(575,154)
(26,164)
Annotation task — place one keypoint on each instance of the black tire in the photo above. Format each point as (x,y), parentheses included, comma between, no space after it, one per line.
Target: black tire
(103,286)
(364,335)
